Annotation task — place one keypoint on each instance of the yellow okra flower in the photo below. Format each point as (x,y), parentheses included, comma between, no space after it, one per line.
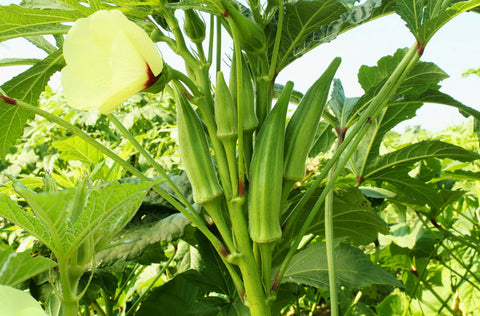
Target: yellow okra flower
(109,58)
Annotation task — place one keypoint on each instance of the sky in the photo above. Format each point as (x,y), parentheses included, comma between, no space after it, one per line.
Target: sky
(455,48)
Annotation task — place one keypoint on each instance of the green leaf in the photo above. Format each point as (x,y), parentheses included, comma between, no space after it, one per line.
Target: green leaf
(26,87)
(176,297)
(136,239)
(17,267)
(5,62)
(106,212)
(430,27)
(340,105)
(415,193)
(15,214)
(302,18)
(411,11)
(435,96)
(16,21)
(75,148)
(44,4)
(353,268)
(412,153)
(41,43)
(393,305)
(369,147)
(422,77)
(323,140)
(353,218)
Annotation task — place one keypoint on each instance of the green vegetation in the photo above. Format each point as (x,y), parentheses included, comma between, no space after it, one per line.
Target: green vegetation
(174,205)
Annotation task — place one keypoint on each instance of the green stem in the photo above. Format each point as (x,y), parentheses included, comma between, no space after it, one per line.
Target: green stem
(251,277)
(352,140)
(69,278)
(231,153)
(175,74)
(210,39)
(240,107)
(278,36)
(140,298)
(218,57)
(214,209)
(266,251)
(330,247)
(108,303)
(126,133)
(201,52)
(330,241)
(98,308)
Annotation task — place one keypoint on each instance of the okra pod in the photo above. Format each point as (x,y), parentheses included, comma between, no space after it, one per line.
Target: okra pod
(266,174)
(195,153)
(301,128)
(225,110)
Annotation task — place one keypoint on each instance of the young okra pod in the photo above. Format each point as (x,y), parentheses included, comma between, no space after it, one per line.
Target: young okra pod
(225,110)
(195,152)
(266,174)
(249,119)
(301,128)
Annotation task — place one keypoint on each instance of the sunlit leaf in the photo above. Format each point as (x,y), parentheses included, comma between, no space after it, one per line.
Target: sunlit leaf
(17,267)
(16,21)
(75,148)
(27,87)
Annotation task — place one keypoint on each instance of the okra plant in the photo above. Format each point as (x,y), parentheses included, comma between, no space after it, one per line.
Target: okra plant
(246,143)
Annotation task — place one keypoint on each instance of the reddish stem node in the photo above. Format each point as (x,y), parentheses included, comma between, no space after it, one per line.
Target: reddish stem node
(8,100)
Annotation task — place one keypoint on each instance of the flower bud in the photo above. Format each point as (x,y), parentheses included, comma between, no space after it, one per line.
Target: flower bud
(194,27)
(252,38)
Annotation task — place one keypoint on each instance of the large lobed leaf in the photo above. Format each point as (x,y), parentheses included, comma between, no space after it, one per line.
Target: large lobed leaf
(353,268)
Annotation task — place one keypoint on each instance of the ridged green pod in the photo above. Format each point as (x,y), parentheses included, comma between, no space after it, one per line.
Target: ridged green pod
(225,110)
(302,127)
(195,152)
(250,120)
(252,38)
(194,26)
(266,174)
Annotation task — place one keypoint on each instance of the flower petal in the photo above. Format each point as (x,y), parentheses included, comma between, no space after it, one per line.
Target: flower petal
(85,58)
(145,46)
(79,93)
